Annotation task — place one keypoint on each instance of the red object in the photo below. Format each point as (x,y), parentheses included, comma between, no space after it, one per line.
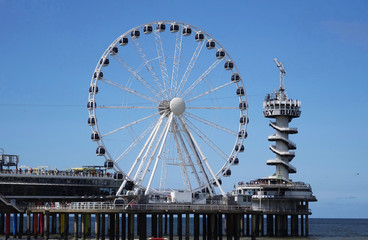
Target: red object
(41,223)
(35,223)
(7,224)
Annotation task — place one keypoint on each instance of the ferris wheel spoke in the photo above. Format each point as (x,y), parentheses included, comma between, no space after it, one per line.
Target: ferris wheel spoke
(136,141)
(162,60)
(158,157)
(204,159)
(208,92)
(130,124)
(115,84)
(211,107)
(186,152)
(203,76)
(203,136)
(176,62)
(137,76)
(189,68)
(197,154)
(212,124)
(147,64)
(125,107)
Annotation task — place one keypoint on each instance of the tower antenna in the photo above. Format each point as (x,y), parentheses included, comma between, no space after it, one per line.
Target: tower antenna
(282,73)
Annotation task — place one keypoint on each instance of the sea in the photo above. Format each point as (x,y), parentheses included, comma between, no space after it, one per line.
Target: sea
(319,229)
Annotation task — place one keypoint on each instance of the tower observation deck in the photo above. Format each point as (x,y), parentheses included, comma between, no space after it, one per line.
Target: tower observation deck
(279,107)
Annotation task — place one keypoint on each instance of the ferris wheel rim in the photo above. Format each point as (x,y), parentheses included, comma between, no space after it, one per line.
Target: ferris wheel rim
(92,112)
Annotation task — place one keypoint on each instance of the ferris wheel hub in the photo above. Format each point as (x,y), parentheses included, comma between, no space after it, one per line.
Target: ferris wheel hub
(177,106)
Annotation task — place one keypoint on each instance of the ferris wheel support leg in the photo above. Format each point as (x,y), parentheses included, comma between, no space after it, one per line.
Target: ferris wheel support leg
(169,121)
(151,157)
(188,155)
(146,151)
(140,155)
(196,154)
(181,158)
(204,159)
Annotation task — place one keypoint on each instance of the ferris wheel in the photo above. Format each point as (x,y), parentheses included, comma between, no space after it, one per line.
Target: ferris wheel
(168,109)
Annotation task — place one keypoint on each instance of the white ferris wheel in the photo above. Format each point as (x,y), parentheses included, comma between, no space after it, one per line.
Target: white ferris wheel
(168,109)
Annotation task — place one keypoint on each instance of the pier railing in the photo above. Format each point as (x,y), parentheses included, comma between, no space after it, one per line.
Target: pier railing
(141,207)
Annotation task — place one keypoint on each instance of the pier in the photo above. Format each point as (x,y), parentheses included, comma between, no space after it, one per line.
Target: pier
(143,221)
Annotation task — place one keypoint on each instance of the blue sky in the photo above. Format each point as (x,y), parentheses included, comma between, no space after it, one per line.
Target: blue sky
(49,49)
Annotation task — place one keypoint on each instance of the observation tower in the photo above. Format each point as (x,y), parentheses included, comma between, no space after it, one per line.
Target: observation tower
(279,107)
(281,200)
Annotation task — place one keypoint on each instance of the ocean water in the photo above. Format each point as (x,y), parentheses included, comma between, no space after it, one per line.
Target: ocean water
(330,228)
(319,229)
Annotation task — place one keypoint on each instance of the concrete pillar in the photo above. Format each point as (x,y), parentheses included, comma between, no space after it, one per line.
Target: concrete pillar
(204,226)
(83,226)
(123,226)
(255,225)
(270,225)
(53,223)
(306,226)
(2,221)
(261,225)
(154,225)
(294,225)
(41,223)
(242,234)
(142,226)
(21,219)
(66,226)
(76,225)
(29,233)
(103,226)
(228,225)
(88,224)
(130,226)
(302,225)
(97,226)
(209,232)
(160,225)
(213,222)
(237,231)
(46,227)
(219,226)
(117,226)
(281,225)
(171,226)
(196,226)
(165,224)
(111,226)
(187,226)
(35,225)
(7,225)
(180,227)
(286,222)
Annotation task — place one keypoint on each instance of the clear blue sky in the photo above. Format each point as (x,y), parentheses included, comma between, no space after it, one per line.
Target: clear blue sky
(49,49)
